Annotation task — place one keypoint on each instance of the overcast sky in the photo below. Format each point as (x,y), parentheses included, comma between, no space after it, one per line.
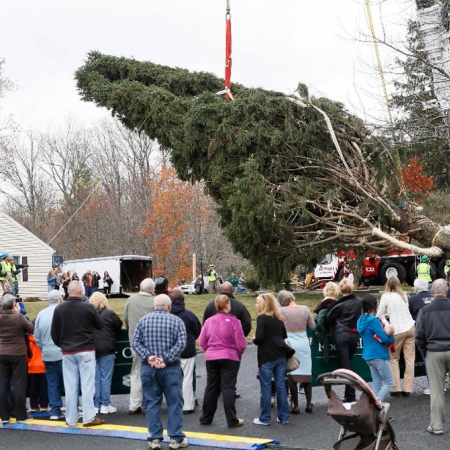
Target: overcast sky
(276,44)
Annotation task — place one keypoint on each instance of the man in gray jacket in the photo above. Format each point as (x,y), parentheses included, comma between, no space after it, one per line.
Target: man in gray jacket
(51,354)
(433,341)
(137,306)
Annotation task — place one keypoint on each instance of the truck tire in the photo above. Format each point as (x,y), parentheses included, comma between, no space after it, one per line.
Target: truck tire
(392,269)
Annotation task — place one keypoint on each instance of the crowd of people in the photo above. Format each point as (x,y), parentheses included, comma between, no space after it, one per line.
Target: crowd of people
(393,326)
(56,279)
(72,343)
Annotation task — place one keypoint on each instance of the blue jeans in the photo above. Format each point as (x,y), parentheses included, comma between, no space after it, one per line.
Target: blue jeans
(277,369)
(54,372)
(382,378)
(155,383)
(88,291)
(79,368)
(104,369)
(346,345)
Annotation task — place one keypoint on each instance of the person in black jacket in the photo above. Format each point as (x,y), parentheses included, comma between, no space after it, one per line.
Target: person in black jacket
(422,296)
(193,328)
(343,317)
(238,310)
(433,341)
(72,330)
(105,349)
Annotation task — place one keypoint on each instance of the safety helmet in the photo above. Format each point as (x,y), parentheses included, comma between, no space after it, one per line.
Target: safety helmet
(424,259)
(161,284)
(4,255)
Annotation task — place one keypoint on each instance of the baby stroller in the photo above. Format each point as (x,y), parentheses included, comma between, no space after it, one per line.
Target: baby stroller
(367,418)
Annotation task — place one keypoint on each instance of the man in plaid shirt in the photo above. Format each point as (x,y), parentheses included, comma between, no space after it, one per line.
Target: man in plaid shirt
(159,339)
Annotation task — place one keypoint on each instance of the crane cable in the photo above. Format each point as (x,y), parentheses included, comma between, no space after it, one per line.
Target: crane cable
(383,84)
(228,59)
(377,55)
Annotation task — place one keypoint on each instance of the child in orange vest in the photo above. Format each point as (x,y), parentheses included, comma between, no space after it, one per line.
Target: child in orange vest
(37,379)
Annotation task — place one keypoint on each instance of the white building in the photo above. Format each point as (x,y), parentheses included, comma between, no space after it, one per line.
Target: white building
(26,248)
(435,26)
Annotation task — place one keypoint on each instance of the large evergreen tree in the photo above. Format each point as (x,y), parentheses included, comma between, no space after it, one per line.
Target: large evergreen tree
(287,185)
(422,126)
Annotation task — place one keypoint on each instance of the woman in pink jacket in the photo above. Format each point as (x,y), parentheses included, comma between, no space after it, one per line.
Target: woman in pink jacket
(224,342)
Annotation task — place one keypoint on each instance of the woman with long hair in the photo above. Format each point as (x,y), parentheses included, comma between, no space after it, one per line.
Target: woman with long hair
(272,354)
(105,349)
(107,283)
(395,303)
(297,319)
(224,342)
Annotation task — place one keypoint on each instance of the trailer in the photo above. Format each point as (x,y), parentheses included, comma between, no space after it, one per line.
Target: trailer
(127,271)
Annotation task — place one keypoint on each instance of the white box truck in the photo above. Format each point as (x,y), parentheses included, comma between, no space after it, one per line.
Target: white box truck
(127,271)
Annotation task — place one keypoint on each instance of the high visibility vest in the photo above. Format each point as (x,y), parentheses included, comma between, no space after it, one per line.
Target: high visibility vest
(212,275)
(15,277)
(5,267)
(424,271)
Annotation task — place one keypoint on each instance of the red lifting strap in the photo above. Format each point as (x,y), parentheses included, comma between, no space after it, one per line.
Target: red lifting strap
(228,54)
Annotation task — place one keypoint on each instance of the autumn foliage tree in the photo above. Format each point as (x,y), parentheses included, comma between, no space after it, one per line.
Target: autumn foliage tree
(413,177)
(170,222)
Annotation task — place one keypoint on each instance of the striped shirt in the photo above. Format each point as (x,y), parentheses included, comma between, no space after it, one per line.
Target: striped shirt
(161,334)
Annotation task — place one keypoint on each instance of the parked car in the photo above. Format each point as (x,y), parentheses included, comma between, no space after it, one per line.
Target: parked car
(189,289)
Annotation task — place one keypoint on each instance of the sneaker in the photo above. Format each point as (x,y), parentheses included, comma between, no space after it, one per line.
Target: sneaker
(58,417)
(154,444)
(174,444)
(95,422)
(426,391)
(28,419)
(258,422)
(432,431)
(96,410)
(107,409)
(283,422)
(5,422)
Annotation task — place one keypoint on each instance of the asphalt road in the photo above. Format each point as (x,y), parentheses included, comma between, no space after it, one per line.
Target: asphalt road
(315,431)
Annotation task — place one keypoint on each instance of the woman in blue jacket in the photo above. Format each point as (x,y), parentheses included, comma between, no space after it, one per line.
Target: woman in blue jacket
(375,348)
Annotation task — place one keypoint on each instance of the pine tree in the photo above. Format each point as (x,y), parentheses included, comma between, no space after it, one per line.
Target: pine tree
(422,127)
(285,191)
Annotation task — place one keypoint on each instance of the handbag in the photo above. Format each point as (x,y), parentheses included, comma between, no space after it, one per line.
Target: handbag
(292,362)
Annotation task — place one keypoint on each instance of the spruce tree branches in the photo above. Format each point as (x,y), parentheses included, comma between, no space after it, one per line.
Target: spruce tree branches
(290,178)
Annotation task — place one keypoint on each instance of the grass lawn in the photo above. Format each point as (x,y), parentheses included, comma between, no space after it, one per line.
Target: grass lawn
(195,303)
